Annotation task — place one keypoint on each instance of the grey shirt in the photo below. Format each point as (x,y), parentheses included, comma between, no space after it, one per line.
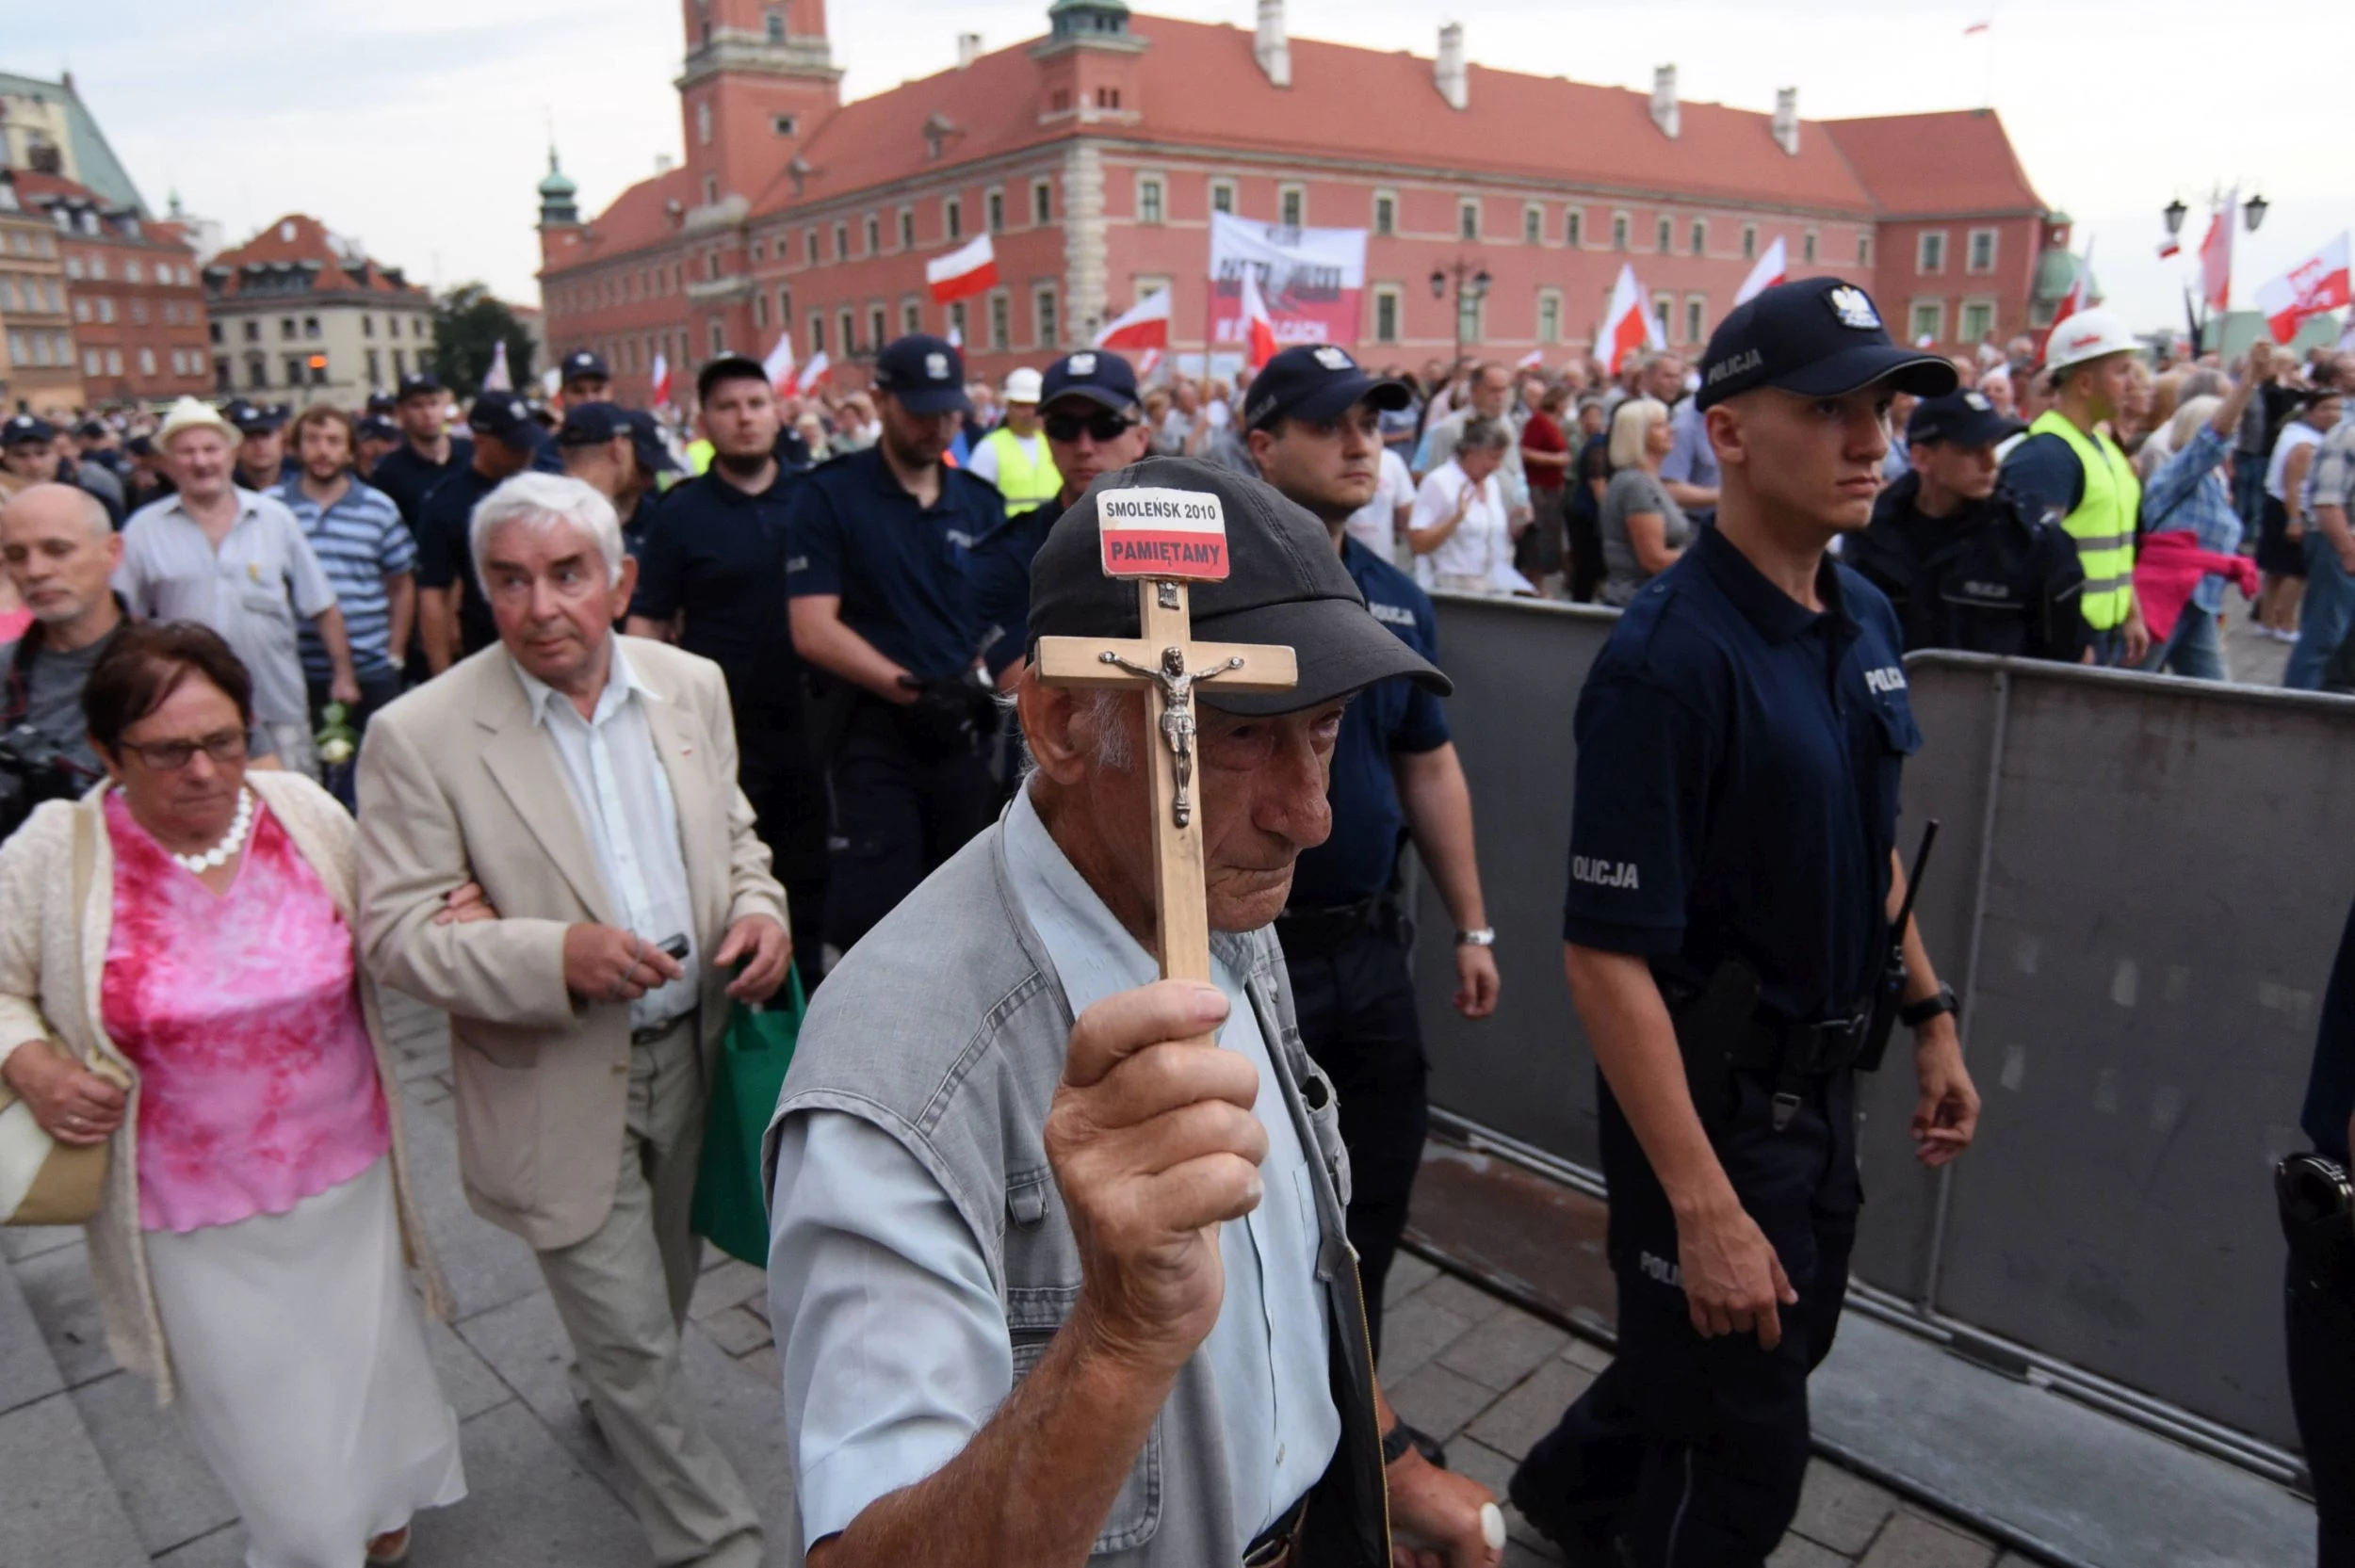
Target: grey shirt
(1633,490)
(53,698)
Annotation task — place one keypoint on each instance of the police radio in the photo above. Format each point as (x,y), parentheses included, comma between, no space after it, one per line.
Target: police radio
(1889,990)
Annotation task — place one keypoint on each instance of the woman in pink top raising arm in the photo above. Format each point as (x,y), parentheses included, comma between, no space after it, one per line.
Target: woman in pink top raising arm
(250,1249)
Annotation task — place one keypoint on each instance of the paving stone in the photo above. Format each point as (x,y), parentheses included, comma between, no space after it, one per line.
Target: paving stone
(1797,1551)
(1517,1421)
(763,1368)
(1417,1331)
(18,1242)
(27,1371)
(1586,1353)
(1467,1300)
(724,1285)
(224,1548)
(1408,1274)
(1841,1509)
(527,1505)
(166,1486)
(742,1406)
(1436,1400)
(1507,1349)
(57,1502)
(467,1382)
(1911,1540)
(486,1266)
(735,1330)
(57,1286)
(523,1342)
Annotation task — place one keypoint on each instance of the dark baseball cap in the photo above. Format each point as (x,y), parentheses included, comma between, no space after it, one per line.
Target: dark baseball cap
(1317,380)
(1285,584)
(504,416)
(251,418)
(1820,338)
(418,382)
(591,425)
(91,429)
(646,436)
(924,373)
(383,402)
(728,367)
(26,428)
(580,364)
(1960,419)
(1098,375)
(377,427)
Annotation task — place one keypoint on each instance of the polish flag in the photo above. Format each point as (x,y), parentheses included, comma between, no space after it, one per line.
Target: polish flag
(2315,286)
(1144,326)
(1975,29)
(2215,257)
(1258,327)
(1772,268)
(2078,297)
(779,364)
(963,272)
(1531,360)
(956,336)
(817,370)
(498,379)
(1629,326)
(2167,248)
(1148,363)
(661,380)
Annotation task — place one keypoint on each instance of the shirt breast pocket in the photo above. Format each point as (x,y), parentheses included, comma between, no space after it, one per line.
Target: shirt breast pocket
(1136,1513)
(266,601)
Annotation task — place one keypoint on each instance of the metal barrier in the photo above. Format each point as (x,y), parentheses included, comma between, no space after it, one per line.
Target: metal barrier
(2138,894)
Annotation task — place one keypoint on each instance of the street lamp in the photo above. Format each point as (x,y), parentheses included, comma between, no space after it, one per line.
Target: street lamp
(1472,283)
(2253,211)
(2174,214)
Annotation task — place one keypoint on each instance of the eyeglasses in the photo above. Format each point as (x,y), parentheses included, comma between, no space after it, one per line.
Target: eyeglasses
(1106,425)
(169,757)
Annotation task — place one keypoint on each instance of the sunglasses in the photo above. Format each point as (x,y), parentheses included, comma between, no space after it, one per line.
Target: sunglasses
(1106,425)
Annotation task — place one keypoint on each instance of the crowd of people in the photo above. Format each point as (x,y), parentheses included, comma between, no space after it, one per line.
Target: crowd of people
(586,735)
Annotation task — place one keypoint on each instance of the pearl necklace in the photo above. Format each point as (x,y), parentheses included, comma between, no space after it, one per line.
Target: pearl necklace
(221,853)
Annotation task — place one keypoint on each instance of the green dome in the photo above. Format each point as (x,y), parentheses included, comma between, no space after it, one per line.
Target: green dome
(2056,274)
(557,184)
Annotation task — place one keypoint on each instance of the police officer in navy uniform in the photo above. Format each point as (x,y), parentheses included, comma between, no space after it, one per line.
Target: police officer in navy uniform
(1312,423)
(453,615)
(881,604)
(711,578)
(1089,410)
(428,454)
(1963,563)
(1733,880)
(584,377)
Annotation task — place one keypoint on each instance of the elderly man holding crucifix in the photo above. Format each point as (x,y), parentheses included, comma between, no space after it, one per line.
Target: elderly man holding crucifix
(1059,1272)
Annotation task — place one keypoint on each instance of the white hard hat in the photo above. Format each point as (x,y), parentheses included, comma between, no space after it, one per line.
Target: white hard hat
(2087,335)
(1022,386)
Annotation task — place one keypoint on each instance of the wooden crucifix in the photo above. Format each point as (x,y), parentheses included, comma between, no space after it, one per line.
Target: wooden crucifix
(1165,539)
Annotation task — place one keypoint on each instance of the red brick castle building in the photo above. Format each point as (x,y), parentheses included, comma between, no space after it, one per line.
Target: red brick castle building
(1093,157)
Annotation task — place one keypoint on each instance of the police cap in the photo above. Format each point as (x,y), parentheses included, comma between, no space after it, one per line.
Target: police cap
(24,428)
(1317,381)
(1098,375)
(417,383)
(504,416)
(924,374)
(1820,338)
(582,365)
(591,425)
(1960,419)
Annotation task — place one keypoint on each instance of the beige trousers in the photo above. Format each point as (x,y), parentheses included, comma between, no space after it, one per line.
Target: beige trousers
(623,1296)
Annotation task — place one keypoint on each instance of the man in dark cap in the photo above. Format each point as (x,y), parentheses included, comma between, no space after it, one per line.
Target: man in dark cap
(584,377)
(711,578)
(262,463)
(453,615)
(883,613)
(377,436)
(1032,1240)
(1963,563)
(1733,881)
(428,454)
(32,452)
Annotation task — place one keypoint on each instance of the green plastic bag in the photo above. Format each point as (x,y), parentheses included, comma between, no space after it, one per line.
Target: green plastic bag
(731,1209)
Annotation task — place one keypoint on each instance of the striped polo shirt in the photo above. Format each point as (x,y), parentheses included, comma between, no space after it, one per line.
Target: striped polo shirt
(360,540)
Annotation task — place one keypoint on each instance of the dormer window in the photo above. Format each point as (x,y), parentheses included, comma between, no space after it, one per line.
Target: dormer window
(286,231)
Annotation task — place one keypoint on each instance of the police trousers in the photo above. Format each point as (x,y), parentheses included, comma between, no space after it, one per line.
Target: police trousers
(2321,1333)
(1690,1449)
(1355,1001)
(898,812)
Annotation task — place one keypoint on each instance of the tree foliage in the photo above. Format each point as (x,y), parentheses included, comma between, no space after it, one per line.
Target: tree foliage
(469,321)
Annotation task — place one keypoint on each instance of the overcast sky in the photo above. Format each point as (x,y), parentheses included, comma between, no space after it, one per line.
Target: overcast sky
(421,125)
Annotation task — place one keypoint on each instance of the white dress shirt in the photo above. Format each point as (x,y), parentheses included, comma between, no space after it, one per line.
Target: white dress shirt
(1481,544)
(629,817)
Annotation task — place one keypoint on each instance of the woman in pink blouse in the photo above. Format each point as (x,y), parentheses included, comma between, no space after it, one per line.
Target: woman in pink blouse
(251,1252)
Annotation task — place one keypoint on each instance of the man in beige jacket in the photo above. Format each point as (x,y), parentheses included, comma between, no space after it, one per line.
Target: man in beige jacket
(587,781)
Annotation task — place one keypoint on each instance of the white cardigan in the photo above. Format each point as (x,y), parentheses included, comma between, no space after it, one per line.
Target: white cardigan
(41,992)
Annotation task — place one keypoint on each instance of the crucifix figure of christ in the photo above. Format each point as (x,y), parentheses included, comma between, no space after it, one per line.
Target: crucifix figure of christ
(1167,664)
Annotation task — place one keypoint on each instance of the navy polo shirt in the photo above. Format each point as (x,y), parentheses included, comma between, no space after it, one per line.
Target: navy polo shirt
(716,554)
(444,557)
(1387,719)
(409,478)
(1738,763)
(1001,570)
(898,568)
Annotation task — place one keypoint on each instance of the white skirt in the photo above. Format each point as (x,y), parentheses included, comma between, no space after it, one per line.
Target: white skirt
(303,1373)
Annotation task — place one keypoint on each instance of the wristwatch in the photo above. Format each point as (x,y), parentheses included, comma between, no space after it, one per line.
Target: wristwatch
(1485,937)
(1395,1443)
(1914,1014)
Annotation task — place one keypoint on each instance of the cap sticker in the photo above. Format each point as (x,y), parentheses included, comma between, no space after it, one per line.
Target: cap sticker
(1976,403)
(937,367)
(1853,308)
(1162,533)
(1080,364)
(1334,359)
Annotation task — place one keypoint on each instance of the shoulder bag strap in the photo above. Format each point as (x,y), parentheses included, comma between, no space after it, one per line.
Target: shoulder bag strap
(84,874)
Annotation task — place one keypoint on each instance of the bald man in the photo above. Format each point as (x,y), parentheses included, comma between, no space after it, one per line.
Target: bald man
(59,548)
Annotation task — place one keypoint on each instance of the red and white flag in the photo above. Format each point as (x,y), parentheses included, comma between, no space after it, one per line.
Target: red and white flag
(1259,328)
(956,336)
(2167,248)
(661,380)
(1629,326)
(1147,362)
(963,272)
(1145,325)
(497,379)
(2215,257)
(816,370)
(1977,27)
(2313,287)
(2080,292)
(1772,268)
(779,364)
(1534,360)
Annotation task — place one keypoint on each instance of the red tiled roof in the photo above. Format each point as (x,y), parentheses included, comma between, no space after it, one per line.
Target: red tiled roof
(309,242)
(1955,162)
(31,185)
(638,217)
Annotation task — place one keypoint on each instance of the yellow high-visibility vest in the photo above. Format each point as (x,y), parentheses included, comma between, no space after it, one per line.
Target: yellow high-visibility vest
(1024,482)
(2103,523)
(698,455)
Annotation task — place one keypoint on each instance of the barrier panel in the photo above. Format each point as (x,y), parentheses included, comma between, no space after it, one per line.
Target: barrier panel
(2139,892)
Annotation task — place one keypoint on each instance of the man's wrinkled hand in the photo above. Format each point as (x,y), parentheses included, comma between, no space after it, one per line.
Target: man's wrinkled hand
(766,949)
(1440,1519)
(1946,1115)
(602,964)
(1733,1280)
